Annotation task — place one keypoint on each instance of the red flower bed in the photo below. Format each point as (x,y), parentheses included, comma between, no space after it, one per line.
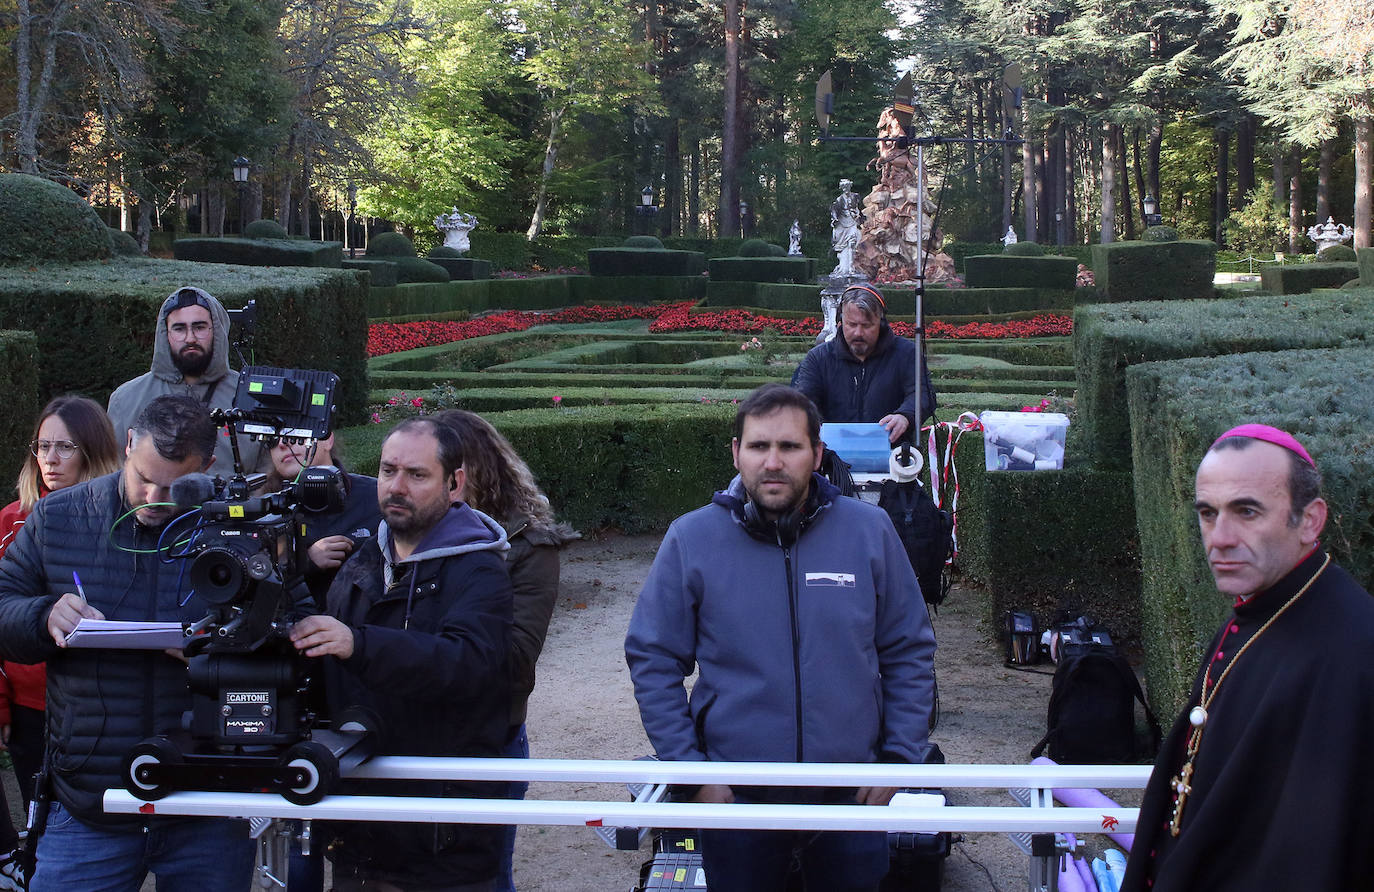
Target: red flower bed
(389,337)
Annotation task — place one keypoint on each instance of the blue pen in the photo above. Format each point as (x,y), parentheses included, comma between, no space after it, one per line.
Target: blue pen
(79,590)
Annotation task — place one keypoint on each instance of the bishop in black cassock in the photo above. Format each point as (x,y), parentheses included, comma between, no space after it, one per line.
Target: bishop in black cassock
(1271,757)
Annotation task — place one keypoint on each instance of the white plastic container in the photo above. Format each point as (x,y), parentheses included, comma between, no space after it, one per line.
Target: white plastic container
(1023,441)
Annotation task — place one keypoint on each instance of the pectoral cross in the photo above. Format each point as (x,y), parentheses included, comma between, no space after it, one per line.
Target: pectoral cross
(1182,788)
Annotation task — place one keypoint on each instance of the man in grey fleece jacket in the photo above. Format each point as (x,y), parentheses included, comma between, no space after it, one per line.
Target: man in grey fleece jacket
(190,358)
(800,610)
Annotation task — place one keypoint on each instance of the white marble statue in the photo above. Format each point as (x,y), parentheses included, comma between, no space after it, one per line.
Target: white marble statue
(455,227)
(846,214)
(1010,237)
(794,239)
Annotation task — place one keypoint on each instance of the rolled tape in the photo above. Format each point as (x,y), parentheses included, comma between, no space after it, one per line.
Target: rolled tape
(905,473)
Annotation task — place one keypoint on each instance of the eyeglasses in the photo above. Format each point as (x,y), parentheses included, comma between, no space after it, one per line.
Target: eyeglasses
(181,331)
(65,449)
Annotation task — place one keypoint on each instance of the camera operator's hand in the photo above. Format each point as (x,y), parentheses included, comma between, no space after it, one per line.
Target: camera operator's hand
(69,610)
(316,636)
(330,552)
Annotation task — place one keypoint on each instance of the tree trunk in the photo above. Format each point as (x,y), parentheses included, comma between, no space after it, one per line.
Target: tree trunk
(1276,164)
(144,232)
(1029,196)
(307,177)
(1220,203)
(1295,202)
(1245,158)
(1128,201)
(668,222)
(1007,188)
(214,205)
(694,187)
(1364,186)
(30,102)
(1152,161)
(541,202)
(728,211)
(1324,182)
(1109,166)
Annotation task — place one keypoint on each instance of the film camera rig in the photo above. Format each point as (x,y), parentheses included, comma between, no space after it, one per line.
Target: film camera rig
(251,725)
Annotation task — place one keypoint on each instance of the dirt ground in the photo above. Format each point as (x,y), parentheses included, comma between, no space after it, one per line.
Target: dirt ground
(583,708)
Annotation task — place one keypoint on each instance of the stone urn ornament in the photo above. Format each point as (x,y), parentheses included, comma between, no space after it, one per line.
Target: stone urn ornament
(1329,234)
(455,227)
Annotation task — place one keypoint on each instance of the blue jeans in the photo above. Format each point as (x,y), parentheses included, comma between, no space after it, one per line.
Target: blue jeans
(760,860)
(517,748)
(185,854)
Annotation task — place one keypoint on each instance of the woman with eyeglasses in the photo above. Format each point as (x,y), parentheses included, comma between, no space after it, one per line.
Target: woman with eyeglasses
(73,442)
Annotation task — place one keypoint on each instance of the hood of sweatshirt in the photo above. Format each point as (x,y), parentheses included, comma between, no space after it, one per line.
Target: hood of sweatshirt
(163,367)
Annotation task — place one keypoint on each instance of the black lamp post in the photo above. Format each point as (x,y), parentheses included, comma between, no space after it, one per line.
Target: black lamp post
(743,218)
(1151,207)
(646,210)
(241,168)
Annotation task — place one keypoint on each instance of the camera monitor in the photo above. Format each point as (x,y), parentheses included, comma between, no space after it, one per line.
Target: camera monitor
(290,403)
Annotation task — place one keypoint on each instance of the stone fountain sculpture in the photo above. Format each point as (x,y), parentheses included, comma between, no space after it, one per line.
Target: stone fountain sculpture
(455,227)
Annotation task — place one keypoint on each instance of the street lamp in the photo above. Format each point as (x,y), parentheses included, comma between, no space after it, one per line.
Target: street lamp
(743,218)
(646,210)
(241,168)
(1151,207)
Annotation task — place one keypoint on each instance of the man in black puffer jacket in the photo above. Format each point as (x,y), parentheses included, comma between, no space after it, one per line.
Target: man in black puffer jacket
(866,373)
(101,703)
(418,633)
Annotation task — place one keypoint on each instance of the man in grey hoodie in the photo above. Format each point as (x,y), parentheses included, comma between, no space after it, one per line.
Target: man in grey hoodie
(190,358)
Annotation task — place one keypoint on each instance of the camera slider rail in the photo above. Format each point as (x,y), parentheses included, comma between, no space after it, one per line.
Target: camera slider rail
(303,773)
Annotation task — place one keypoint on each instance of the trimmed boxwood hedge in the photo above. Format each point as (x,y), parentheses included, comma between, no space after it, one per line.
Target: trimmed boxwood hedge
(644,262)
(1050,542)
(938,301)
(382,273)
(1181,270)
(635,289)
(46,222)
(462,268)
(19,371)
(1109,337)
(1013,271)
(1303,278)
(800,270)
(1177,409)
(259,252)
(636,467)
(95,321)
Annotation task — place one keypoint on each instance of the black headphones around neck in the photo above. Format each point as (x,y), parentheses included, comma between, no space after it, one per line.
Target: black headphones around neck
(788,527)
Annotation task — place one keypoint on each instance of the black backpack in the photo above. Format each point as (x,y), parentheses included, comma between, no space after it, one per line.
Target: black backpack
(1092,702)
(927,533)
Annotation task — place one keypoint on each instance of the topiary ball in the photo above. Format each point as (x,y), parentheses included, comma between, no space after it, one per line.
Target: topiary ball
(1024,249)
(264,229)
(755,247)
(777,251)
(390,244)
(1337,254)
(644,241)
(123,243)
(45,221)
(414,269)
(446,252)
(1160,234)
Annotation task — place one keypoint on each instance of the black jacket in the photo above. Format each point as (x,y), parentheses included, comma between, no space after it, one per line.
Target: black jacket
(847,390)
(100,702)
(430,661)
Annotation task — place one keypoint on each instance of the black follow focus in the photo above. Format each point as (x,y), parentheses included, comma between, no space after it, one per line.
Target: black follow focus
(251,725)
